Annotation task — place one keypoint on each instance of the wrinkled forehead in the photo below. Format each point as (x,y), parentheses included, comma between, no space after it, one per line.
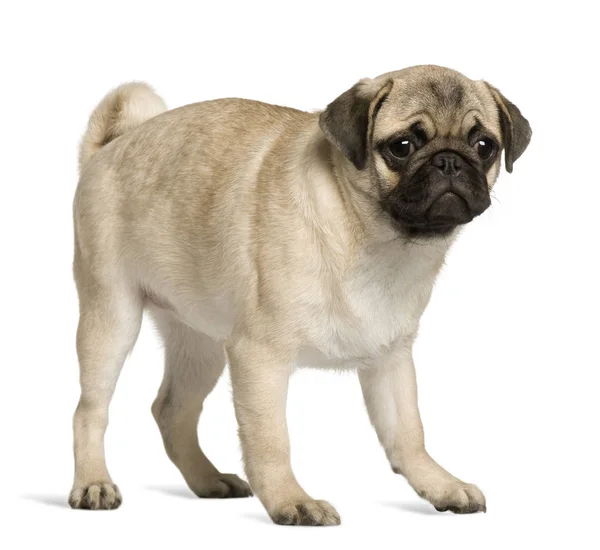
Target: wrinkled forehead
(445,105)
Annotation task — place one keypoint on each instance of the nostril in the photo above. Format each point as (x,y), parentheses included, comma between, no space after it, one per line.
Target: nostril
(394,213)
(439,161)
(448,163)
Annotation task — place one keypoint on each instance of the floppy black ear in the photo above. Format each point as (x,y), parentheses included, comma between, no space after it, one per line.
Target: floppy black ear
(516,132)
(345,122)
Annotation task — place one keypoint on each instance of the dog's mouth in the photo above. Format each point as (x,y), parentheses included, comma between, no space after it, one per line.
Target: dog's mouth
(424,229)
(437,217)
(449,208)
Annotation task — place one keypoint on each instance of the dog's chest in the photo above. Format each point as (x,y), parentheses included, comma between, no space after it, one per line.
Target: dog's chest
(375,306)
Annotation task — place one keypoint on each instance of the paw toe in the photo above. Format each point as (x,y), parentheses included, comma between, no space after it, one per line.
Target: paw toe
(310,512)
(461,498)
(96,496)
(223,486)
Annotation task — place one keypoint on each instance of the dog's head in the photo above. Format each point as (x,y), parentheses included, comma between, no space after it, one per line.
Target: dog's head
(427,142)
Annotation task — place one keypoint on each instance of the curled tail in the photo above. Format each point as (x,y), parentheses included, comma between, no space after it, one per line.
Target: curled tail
(122,109)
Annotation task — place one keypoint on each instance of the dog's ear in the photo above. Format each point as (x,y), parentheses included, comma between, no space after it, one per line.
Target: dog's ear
(516,132)
(347,120)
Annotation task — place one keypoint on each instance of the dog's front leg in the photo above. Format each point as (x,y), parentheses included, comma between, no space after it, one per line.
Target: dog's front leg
(390,392)
(259,377)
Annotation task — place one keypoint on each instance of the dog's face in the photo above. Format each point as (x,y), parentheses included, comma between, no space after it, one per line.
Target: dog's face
(426,143)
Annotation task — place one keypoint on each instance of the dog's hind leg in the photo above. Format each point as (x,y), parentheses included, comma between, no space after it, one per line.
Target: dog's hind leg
(110,318)
(193,364)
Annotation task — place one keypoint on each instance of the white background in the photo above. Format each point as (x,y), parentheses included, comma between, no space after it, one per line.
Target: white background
(507,357)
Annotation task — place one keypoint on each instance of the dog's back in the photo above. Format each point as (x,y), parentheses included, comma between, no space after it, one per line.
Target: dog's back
(154,191)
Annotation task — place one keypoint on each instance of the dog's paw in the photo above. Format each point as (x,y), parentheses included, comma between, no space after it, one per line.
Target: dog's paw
(455,496)
(221,486)
(306,512)
(96,496)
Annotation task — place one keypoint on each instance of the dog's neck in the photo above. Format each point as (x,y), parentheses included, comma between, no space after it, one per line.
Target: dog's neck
(377,232)
(346,216)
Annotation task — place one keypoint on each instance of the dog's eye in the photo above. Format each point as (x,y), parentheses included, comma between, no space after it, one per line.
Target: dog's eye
(485,148)
(401,148)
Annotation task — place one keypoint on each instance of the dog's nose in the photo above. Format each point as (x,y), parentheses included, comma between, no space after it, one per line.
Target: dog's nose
(448,163)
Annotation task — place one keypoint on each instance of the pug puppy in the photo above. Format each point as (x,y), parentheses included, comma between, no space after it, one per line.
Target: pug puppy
(268,238)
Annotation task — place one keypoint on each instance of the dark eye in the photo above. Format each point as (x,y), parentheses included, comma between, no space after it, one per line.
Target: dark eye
(401,148)
(485,148)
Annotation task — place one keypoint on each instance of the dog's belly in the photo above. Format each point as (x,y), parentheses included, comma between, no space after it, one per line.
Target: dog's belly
(345,324)
(314,358)
(374,323)
(309,356)
(212,317)
(335,344)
